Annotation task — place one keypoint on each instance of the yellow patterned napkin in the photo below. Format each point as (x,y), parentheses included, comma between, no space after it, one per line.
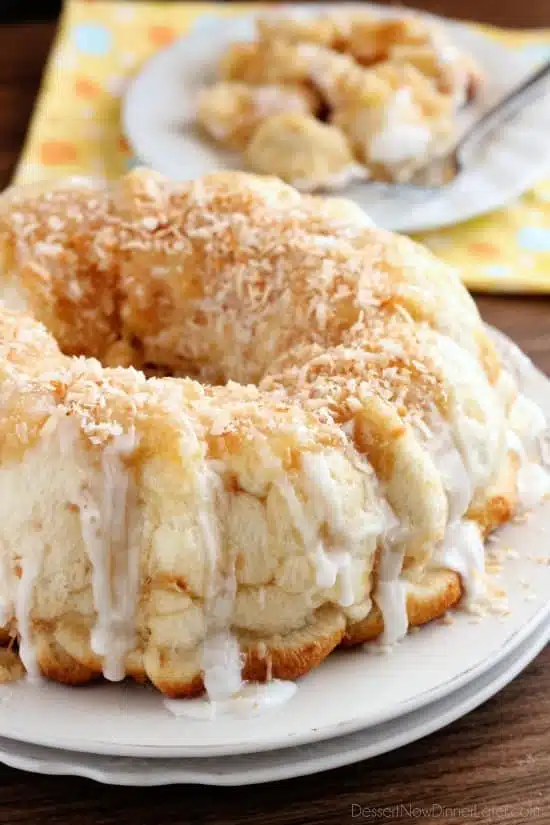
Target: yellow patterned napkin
(76,130)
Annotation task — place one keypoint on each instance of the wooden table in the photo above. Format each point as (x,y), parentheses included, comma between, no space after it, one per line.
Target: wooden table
(496,758)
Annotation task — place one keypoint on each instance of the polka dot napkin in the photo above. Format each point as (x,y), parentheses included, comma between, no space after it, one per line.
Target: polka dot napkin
(76,130)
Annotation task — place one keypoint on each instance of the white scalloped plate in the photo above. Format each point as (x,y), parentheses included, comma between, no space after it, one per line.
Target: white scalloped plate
(158,118)
(350,691)
(281,764)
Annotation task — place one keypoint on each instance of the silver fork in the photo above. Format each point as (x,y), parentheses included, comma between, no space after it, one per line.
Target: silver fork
(457,159)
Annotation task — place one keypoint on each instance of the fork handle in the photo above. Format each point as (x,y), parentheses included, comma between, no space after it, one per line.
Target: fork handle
(507,107)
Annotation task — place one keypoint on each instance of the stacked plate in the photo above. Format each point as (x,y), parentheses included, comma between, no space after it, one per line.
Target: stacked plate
(356,705)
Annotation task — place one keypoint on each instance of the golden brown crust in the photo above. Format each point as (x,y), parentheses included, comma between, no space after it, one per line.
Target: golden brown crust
(11,668)
(294,655)
(499,501)
(59,666)
(380,352)
(174,688)
(69,278)
(280,657)
(439,591)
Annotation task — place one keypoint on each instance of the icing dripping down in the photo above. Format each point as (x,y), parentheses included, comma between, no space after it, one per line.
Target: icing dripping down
(6,585)
(105,524)
(533,484)
(222,666)
(30,568)
(221,659)
(391,595)
(527,423)
(335,567)
(456,479)
(463,551)
(251,699)
(527,419)
(325,500)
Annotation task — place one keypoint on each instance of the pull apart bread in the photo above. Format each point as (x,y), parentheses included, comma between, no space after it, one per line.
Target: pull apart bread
(240,427)
(325,99)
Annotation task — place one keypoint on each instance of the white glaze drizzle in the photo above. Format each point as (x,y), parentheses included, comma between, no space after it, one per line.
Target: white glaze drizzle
(390,590)
(462,548)
(334,565)
(30,569)
(463,551)
(222,665)
(251,699)
(527,423)
(303,525)
(390,594)
(322,486)
(221,658)
(105,521)
(20,606)
(466,451)
(6,588)
(456,479)
(476,428)
(527,419)
(533,484)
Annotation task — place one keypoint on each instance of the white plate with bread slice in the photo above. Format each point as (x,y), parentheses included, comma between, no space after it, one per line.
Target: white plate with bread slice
(351,691)
(287,763)
(160,109)
(195,537)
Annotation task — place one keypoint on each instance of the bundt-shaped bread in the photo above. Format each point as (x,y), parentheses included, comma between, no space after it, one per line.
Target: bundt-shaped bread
(325,434)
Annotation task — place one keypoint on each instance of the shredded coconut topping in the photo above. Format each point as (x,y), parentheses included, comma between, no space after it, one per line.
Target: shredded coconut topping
(296,312)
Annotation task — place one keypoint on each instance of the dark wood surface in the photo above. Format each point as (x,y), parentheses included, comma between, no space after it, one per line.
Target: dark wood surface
(489,768)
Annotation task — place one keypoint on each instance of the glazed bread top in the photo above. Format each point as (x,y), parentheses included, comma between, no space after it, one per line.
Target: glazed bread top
(346,436)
